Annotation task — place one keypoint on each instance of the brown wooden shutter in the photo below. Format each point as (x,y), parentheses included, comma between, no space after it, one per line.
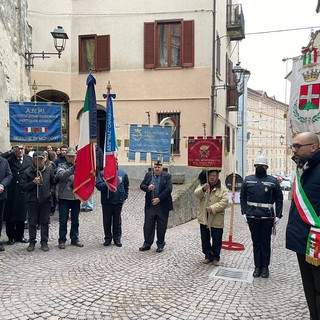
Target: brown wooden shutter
(188,43)
(232,94)
(103,53)
(149,45)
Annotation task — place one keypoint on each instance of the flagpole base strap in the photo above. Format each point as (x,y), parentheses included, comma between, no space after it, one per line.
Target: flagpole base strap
(233,246)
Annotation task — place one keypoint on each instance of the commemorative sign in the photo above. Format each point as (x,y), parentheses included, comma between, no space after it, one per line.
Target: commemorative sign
(205,153)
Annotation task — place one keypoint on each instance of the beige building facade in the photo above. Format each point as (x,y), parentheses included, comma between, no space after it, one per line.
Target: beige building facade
(267,133)
(159,58)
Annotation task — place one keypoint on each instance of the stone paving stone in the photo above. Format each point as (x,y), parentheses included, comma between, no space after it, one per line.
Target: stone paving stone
(97,282)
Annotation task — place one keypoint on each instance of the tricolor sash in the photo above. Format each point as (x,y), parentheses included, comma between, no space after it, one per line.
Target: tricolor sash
(310,217)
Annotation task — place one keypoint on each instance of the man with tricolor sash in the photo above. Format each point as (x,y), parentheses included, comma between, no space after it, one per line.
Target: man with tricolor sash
(303,229)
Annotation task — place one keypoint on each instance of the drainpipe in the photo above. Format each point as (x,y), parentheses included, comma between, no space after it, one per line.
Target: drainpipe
(213,81)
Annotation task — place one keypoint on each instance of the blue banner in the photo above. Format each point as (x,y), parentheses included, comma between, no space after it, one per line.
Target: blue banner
(150,139)
(33,123)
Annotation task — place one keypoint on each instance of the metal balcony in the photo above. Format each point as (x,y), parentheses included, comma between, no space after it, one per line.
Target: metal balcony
(235,22)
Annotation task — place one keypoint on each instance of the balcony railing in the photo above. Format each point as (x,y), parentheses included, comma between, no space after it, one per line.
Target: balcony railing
(235,22)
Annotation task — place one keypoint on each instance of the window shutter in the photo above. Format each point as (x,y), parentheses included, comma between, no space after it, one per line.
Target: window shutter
(103,53)
(232,95)
(149,45)
(188,43)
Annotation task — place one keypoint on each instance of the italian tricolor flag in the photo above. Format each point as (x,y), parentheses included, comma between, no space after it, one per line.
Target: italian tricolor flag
(85,170)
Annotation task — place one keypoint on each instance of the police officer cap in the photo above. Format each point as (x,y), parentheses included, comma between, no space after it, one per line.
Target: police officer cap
(261,161)
(38,154)
(158,163)
(71,151)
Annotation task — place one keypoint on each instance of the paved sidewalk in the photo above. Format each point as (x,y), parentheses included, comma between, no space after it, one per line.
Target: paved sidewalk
(97,282)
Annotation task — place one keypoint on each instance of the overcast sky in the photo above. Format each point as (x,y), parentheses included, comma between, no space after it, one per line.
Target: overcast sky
(262,54)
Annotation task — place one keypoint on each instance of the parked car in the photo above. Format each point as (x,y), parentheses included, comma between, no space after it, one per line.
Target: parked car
(285,185)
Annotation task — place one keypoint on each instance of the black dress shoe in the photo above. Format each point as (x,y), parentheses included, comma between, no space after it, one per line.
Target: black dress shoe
(159,250)
(23,240)
(265,272)
(10,242)
(106,243)
(1,247)
(144,248)
(256,272)
(118,244)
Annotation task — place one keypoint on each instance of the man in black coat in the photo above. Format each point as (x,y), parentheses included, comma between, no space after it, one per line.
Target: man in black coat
(38,184)
(157,185)
(5,178)
(15,211)
(303,229)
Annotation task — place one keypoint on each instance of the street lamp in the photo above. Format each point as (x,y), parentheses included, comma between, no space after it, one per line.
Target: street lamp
(59,38)
(281,140)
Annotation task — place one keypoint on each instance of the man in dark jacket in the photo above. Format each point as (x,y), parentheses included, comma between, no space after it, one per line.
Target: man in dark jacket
(259,193)
(15,211)
(157,185)
(303,229)
(38,184)
(112,203)
(5,178)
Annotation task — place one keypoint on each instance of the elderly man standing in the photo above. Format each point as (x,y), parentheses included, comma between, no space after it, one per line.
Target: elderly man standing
(213,197)
(67,200)
(157,185)
(15,211)
(303,229)
(259,193)
(5,178)
(38,184)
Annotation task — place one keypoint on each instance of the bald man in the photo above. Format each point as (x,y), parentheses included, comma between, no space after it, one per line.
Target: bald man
(303,229)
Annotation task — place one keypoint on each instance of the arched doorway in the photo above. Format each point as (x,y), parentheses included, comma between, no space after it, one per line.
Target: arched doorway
(57,96)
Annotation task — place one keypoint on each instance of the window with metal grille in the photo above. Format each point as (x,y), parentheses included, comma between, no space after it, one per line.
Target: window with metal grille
(175,146)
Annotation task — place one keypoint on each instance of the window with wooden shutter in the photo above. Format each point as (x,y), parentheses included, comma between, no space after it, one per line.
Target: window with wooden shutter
(168,44)
(94,53)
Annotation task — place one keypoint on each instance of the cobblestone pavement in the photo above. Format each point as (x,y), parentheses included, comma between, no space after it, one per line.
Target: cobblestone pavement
(97,282)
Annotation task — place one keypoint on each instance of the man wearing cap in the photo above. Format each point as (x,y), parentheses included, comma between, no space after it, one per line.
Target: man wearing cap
(38,184)
(157,185)
(67,200)
(15,211)
(259,193)
(213,197)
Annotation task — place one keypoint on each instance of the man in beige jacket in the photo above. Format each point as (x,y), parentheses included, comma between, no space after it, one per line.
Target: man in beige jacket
(213,198)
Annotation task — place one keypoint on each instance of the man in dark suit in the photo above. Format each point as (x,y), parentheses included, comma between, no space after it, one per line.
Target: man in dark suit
(15,211)
(157,185)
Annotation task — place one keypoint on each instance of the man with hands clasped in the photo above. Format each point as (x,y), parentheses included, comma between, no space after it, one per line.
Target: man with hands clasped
(157,185)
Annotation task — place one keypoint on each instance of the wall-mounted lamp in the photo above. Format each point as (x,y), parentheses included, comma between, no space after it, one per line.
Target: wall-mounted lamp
(240,73)
(59,38)
(281,140)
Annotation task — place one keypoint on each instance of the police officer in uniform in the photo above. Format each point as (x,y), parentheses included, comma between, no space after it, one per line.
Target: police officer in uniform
(259,193)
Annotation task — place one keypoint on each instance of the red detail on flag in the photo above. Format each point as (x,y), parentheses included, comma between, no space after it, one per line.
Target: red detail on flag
(110,172)
(85,172)
(314,95)
(205,153)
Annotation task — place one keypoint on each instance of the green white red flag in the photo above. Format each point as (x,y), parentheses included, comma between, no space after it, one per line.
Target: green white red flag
(85,170)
